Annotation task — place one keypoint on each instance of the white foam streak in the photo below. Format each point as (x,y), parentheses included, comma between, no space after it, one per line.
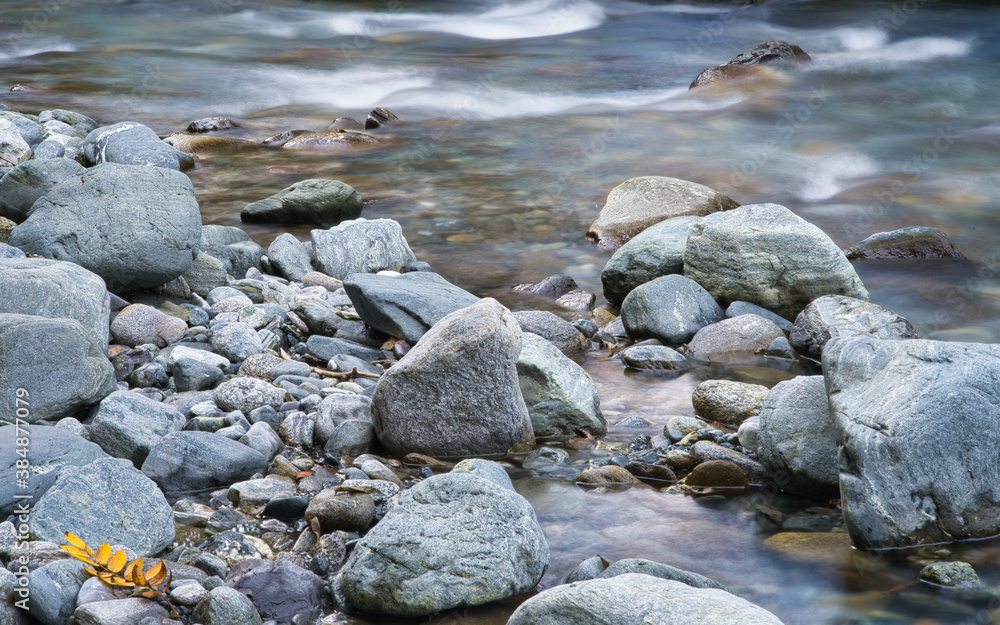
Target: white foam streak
(865,52)
(827,175)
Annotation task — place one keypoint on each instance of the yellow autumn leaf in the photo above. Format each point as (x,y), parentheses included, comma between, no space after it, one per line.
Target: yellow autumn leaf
(90,570)
(105,576)
(117,562)
(157,574)
(79,554)
(103,553)
(79,543)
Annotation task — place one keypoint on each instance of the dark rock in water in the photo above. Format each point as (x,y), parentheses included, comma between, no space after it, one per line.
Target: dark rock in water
(654,357)
(336,139)
(345,123)
(136,227)
(914,242)
(767,53)
(52,451)
(21,186)
(225,606)
(654,474)
(663,571)
(951,575)
(921,429)
(57,364)
(672,309)
(727,401)
(234,247)
(405,306)
(127,425)
(315,201)
(636,598)
(608,476)
(717,474)
(189,461)
(452,540)
(638,203)
(379,117)
(767,255)
(797,438)
(279,590)
(57,289)
(560,395)
(202,144)
(360,246)
(837,316)
(129,143)
(84,498)
(212,124)
(552,328)
(281,138)
(426,404)
(552,287)
(707,450)
(655,252)
(737,340)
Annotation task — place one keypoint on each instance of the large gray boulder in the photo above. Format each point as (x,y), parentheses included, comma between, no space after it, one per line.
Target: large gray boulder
(742,339)
(672,309)
(22,185)
(129,143)
(314,201)
(360,246)
(921,428)
(655,252)
(638,599)
(767,255)
(106,501)
(838,316)
(55,289)
(54,587)
(232,247)
(456,392)
(55,362)
(127,425)
(797,438)
(136,227)
(560,395)
(405,306)
(638,203)
(191,461)
(453,540)
(52,450)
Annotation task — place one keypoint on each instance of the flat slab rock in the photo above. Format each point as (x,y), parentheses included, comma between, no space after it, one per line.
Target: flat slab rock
(921,429)
(637,599)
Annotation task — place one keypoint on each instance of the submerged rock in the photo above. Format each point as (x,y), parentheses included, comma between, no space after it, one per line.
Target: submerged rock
(635,598)
(655,358)
(202,144)
(638,203)
(913,242)
(334,139)
(728,401)
(456,393)
(921,426)
(212,124)
(452,540)
(766,255)
(314,201)
(836,316)
(769,52)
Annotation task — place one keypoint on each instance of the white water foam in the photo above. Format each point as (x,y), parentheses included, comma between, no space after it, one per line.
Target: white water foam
(512,20)
(869,49)
(824,176)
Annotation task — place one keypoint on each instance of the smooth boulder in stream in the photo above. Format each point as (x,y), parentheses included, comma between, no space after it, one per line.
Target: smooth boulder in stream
(453,540)
(456,393)
(921,430)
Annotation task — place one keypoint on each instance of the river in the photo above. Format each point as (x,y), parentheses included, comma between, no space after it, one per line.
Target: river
(518,119)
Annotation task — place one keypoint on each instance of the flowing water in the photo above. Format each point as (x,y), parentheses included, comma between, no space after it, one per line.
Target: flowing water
(520,116)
